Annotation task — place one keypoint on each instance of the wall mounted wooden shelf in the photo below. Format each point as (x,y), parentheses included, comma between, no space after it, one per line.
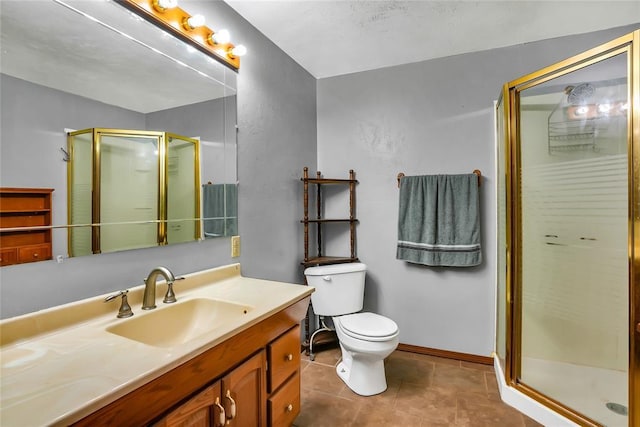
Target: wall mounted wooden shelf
(25,225)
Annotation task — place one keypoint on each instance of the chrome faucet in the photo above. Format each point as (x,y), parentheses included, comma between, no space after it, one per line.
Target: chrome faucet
(149,298)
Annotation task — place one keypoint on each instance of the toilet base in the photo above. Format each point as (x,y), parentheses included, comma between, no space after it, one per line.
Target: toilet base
(363,377)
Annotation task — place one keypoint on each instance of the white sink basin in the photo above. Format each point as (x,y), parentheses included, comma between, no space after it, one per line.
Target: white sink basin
(168,326)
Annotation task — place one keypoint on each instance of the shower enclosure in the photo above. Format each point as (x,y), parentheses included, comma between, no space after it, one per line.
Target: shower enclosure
(131,189)
(569,228)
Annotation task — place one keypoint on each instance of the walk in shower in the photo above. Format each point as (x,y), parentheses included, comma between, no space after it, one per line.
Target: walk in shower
(568,217)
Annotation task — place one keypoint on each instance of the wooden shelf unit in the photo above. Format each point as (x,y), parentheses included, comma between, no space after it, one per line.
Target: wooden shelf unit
(25,225)
(326,337)
(319,258)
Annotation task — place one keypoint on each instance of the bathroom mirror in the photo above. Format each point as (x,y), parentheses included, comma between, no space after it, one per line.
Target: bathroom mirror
(69,65)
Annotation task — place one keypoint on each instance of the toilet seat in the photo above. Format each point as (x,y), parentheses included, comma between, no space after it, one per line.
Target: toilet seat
(367,326)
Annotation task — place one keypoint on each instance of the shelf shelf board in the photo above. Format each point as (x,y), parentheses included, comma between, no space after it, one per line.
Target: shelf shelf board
(324,221)
(23,211)
(329,181)
(323,260)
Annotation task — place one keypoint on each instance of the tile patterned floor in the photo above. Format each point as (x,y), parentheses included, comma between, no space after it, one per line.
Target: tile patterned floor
(423,391)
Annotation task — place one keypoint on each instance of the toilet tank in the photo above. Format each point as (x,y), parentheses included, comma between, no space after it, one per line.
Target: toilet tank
(339,288)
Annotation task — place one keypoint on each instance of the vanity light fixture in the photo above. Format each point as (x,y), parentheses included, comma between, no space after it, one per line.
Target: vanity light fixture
(189,28)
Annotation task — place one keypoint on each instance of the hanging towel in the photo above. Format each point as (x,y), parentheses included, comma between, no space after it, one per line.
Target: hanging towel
(439,220)
(213,209)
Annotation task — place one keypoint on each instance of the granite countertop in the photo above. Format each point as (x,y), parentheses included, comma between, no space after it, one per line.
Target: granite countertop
(61,364)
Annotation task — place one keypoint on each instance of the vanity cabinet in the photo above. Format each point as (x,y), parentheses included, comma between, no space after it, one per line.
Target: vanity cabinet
(25,225)
(258,369)
(238,399)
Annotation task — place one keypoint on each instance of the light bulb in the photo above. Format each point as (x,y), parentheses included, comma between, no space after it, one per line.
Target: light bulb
(221,37)
(604,108)
(581,111)
(195,21)
(166,4)
(239,50)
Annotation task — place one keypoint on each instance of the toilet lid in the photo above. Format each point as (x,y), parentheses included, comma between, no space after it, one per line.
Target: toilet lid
(363,325)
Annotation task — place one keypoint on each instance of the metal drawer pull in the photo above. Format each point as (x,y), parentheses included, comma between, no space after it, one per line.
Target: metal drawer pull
(588,238)
(232,408)
(289,357)
(289,407)
(222,418)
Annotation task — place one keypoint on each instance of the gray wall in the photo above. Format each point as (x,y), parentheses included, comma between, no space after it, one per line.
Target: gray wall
(277,136)
(432,117)
(276,139)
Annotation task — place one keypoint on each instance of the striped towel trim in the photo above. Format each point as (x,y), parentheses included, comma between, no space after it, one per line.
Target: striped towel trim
(440,248)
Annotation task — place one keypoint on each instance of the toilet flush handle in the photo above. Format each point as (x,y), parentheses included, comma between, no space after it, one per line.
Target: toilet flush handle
(326,278)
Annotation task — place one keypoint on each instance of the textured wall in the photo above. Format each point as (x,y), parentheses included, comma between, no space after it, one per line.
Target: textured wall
(429,117)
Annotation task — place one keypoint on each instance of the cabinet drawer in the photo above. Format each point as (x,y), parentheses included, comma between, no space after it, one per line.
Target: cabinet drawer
(8,256)
(34,253)
(284,405)
(284,357)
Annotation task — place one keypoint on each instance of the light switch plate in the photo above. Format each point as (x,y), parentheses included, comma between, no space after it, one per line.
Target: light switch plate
(235,246)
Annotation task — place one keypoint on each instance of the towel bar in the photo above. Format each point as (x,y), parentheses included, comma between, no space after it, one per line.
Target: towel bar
(476,171)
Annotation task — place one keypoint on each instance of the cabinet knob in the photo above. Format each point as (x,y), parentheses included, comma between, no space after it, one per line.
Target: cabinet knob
(289,357)
(35,255)
(289,407)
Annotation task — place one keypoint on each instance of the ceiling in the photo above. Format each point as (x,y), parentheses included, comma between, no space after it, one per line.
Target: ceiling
(330,38)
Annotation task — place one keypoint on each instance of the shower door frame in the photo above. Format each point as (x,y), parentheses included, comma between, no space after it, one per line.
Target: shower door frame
(629,45)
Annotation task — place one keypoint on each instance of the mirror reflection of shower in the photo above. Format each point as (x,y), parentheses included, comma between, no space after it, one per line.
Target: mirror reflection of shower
(131,189)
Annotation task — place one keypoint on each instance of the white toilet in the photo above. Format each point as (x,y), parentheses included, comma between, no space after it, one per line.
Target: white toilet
(365,338)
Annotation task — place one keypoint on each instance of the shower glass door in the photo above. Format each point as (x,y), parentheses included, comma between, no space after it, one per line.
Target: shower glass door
(129,214)
(183,203)
(571,189)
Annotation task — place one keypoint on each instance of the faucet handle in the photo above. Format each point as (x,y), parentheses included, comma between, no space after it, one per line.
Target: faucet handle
(125,308)
(170,296)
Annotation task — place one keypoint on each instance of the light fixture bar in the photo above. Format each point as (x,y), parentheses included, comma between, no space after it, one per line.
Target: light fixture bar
(173,21)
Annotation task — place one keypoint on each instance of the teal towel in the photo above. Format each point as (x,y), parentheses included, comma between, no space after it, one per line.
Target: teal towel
(220,209)
(439,220)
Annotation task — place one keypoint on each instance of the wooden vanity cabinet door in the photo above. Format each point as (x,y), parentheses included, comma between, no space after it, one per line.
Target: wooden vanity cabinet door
(284,357)
(199,411)
(245,387)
